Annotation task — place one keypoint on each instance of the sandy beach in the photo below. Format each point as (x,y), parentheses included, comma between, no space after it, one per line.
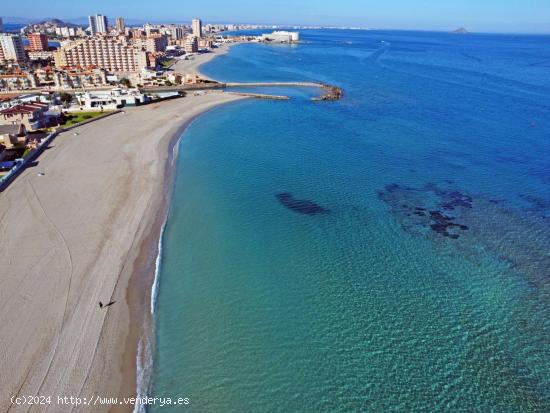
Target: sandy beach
(193,64)
(87,231)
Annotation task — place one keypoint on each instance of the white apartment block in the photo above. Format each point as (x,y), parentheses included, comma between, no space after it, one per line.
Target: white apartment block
(80,78)
(65,31)
(98,24)
(111,54)
(11,48)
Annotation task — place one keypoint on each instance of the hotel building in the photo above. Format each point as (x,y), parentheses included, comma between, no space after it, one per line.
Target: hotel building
(111,54)
(38,42)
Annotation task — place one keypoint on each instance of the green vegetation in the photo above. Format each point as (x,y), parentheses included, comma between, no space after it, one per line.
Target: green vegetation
(167,63)
(71,119)
(66,99)
(27,152)
(126,82)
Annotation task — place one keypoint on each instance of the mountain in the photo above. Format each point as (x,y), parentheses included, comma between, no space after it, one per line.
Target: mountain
(48,21)
(55,22)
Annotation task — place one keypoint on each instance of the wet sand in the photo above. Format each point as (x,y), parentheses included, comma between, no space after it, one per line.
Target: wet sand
(86,231)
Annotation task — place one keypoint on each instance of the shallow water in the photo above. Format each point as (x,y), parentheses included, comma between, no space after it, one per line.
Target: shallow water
(387,252)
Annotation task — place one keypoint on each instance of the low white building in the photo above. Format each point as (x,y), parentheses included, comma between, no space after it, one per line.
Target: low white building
(110,99)
(281,37)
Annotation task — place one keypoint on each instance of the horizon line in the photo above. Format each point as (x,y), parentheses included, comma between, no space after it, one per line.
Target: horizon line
(283,25)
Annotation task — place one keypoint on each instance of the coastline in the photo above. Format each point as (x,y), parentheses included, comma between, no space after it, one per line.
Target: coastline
(193,66)
(59,341)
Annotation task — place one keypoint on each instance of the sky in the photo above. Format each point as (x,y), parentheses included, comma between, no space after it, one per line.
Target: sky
(518,16)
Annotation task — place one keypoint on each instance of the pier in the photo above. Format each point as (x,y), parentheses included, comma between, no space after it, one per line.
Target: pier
(330,92)
(260,95)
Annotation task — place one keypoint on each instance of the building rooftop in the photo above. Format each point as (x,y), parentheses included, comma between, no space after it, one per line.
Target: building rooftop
(12,129)
(8,96)
(29,107)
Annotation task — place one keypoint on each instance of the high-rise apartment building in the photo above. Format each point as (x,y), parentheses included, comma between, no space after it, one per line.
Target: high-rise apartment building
(191,44)
(38,42)
(156,43)
(147,27)
(98,24)
(92,24)
(177,33)
(196,25)
(12,49)
(120,26)
(102,23)
(111,54)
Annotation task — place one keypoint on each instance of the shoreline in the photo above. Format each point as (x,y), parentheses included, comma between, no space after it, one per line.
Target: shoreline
(88,231)
(83,351)
(141,338)
(140,341)
(147,266)
(193,66)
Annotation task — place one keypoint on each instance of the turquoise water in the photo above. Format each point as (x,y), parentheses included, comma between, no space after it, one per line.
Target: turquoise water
(387,252)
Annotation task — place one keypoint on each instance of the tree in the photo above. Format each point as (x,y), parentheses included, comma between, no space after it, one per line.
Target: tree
(168,83)
(66,99)
(126,82)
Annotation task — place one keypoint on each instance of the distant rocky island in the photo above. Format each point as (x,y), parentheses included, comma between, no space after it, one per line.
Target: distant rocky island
(48,26)
(460,30)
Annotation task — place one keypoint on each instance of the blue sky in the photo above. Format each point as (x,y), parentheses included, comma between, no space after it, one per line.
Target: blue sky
(476,15)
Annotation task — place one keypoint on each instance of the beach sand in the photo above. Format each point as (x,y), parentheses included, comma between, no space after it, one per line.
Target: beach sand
(83,233)
(192,65)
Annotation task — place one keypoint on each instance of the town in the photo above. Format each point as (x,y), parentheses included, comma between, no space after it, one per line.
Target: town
(54,74)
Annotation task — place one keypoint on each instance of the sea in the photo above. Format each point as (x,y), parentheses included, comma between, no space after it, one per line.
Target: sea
(389,251)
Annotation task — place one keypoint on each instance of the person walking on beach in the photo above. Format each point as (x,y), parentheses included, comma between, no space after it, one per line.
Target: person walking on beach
(110,303)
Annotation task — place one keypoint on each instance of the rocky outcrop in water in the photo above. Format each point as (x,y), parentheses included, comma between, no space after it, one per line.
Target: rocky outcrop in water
(301,206)
(429,208)
(331,93)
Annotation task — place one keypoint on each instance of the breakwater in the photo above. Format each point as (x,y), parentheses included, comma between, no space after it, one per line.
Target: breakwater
(330,92)
(260,95)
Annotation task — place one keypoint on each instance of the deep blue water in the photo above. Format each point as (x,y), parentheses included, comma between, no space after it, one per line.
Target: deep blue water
(16,27)
(13,27)
(386,252)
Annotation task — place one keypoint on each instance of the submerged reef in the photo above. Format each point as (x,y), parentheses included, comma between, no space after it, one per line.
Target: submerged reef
(428,208)
(301,206)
